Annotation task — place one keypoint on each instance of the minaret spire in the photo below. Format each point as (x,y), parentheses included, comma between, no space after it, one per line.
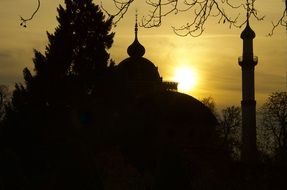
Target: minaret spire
(248,103)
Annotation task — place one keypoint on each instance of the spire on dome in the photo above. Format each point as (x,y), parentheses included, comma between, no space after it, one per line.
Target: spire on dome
(247,33)
(136,25)
(136,49)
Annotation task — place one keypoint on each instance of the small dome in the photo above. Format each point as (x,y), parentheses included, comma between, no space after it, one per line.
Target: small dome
(247,33)
(136,49)
(136,67)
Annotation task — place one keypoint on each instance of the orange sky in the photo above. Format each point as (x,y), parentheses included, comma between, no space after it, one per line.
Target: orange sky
(212,56)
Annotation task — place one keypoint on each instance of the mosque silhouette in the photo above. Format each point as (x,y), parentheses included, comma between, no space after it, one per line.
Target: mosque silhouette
(147,135)
(161,138)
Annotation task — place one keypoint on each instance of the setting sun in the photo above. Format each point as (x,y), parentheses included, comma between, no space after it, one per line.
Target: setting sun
(186,78)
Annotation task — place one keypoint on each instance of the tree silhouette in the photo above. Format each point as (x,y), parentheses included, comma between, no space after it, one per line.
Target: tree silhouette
(210,103)
(274,120)
(76,55)
(4,99)
(40,129)
(230,121)
(230,129)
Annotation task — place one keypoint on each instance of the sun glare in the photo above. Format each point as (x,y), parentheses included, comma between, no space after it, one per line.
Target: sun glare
(186,78)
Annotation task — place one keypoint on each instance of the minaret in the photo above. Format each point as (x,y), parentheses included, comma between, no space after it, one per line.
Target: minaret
(248,103)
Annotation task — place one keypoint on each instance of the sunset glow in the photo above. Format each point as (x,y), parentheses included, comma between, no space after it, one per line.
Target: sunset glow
(186,78)
(203,66)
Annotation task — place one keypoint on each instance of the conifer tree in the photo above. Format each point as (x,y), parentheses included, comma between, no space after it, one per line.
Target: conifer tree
(38,128)
(76,58)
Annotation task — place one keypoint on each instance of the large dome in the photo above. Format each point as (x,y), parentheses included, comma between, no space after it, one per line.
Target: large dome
(159,121)
(138,69)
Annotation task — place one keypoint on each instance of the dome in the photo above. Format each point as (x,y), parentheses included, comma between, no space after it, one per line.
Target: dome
(174,112)
(179,108)
(247,33)
(136,67)
(165,120)
(136,49)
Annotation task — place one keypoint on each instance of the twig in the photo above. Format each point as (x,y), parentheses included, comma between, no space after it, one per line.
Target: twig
(281,21)
(25,20)
(202,9)
(122,7)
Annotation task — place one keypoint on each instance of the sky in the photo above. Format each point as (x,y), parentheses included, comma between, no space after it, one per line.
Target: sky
(211,60)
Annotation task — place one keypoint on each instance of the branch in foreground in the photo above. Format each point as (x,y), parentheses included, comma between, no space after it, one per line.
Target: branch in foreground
(201,11)
(25,20)
(282,21)
(121,6)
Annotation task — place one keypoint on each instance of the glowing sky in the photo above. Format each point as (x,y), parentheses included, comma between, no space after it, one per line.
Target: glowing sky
(212,56)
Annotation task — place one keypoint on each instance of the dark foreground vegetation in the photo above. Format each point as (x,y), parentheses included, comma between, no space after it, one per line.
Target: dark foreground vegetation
(76,124)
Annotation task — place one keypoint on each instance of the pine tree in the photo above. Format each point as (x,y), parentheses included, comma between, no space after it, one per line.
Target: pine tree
(38,128)
(80,41)
(76,58)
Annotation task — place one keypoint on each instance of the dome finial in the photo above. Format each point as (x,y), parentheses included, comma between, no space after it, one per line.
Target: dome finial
(247,12)
(136,25)
(136,49)
(247,33)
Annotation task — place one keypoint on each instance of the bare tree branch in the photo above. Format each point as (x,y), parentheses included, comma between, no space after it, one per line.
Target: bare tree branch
(281,21)
(202,10)
(122,7)
(25,20)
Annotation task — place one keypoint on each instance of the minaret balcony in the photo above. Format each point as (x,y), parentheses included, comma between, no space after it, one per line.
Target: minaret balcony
(244,61)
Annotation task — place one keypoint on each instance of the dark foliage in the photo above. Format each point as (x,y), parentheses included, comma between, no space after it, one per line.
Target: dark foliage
(77,123)
(274,125)
(43,146)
